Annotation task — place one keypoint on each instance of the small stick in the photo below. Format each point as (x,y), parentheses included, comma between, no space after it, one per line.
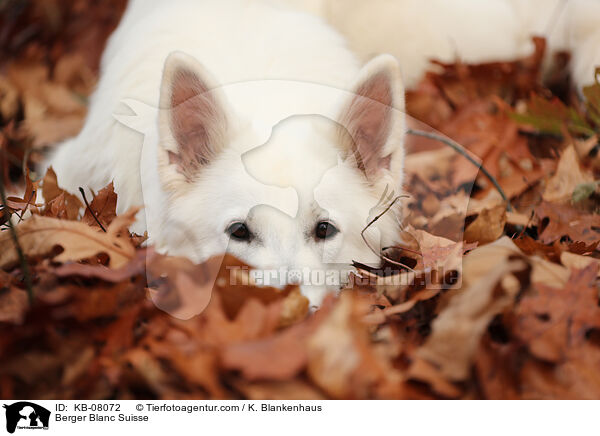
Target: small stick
(403,249)
(90,209)
(383,256)
(526,227)
(460,150)
(26,206)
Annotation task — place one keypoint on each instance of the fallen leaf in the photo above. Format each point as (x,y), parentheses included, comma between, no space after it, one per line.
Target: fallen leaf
(104,207)
(488,226)
(67,206)
(278,357)
(38,236)
(559,220)
(577,261)
(555,319)
(456,332)
(341,361)
(568,175)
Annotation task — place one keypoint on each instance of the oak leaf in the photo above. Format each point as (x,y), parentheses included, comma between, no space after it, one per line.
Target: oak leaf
(556,319)
(39,236)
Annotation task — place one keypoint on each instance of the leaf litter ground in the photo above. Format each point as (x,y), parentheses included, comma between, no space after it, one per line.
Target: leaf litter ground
(517,317)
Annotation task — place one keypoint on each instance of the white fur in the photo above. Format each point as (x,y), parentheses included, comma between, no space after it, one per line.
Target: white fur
(282,78)
(270,64)
(472,30)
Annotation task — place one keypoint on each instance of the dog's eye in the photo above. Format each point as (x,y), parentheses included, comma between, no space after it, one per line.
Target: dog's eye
(325,230)
(239,231)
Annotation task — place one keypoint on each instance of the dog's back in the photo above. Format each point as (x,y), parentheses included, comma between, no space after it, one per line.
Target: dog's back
(236,40)
(415,31)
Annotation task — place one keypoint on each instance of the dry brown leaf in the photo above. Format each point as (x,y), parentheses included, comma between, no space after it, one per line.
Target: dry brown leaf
(104,207)
(555,319)
(585,151)
(110,275)
(439,253)
(449,220)
(341,360)
(456,332)
(488,226)
(559,220)
(278,357)
(39,235)
(569,174)
(517,219)
(68,205)
(422,295)
(577,261)
(483,259)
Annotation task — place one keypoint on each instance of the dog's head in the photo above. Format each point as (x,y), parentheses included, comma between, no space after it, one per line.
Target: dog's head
(302,199)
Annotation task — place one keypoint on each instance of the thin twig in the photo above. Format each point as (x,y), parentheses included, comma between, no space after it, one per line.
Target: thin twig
(18,248)
(460,150)
(522,232)
(398,247)
(90,209)
(383,256)
(26,206)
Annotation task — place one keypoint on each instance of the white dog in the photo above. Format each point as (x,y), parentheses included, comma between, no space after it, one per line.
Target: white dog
(228,76)
(267,138)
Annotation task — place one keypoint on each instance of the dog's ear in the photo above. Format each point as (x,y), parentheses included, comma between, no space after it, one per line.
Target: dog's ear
(371,123)
(193,116)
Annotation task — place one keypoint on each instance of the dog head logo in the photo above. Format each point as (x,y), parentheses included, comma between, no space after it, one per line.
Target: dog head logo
(26,415)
